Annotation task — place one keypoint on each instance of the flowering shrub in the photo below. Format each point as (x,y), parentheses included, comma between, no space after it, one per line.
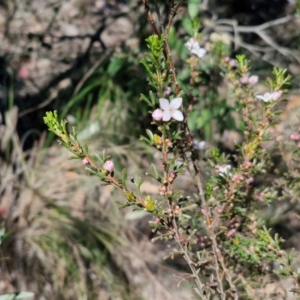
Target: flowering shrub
(220,231)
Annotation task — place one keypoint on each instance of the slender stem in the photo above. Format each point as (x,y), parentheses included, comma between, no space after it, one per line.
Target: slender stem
(194,271)
(218,257)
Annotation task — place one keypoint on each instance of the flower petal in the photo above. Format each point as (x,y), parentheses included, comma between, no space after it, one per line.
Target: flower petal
(164,103)
(176,103)
(189,46)
(202,145)
(166,116)
(192,44)
(177,115)
(260,97)
(200,52)
(267,97)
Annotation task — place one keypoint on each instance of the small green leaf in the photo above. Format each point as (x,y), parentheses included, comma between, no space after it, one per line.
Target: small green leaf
(124,177)
(153,98)
(193,8)
(144,98)
(144,139)
(188,26)
(150,134)
(155,171)
(116,65)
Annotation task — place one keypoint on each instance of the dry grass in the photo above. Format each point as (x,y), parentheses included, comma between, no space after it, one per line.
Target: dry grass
(61,242)
(67,238)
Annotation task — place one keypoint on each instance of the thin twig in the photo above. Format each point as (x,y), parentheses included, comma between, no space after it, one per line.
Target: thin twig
(228,25)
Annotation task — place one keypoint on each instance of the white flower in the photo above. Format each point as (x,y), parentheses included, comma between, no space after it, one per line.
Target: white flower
(224,170)
(194,47)
(171,109)
(199,145)
(192,44)
(265,97)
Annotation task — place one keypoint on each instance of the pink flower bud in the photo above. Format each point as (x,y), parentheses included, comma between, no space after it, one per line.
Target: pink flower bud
(261,197)
(23,72)
(253,79)
(108,166)
(244,79)
(250,180)
(227,59)
(163,188)
(232,63)
(167,91)
(276,95)
(86,161)
(295,136)
(279,138)
(231,232)
(157,221)
(3,210)
(237,177)
(157,115)
(247,164)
